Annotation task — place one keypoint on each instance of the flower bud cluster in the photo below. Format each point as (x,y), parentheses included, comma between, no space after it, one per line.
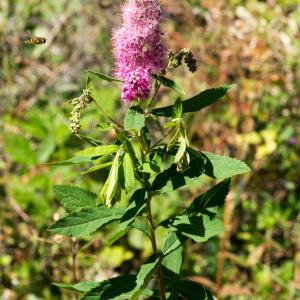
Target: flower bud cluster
(78,105)
(175,60)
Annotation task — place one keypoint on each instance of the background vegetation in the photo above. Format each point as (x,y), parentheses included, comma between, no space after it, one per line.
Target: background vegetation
(252,43)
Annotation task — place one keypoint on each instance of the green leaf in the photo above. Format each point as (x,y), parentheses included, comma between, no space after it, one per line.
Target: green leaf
(215,197)
(170,84)
(172,243)
(144,276)
(174,139)
(181,149)
(127,286)
(96,168)
(104,126)
(173,255)
(221,167)
(89,140)
(177,109)
(72,161)
(172,179)
(134,119)
(74,198)
(135,208)
(199,228)
(141,224)
(104,76)
(192,290)
(82,287)
(112,289)
(197,102)
(98,151)
(128,146)
(128,170)
(86,221)
(113,180)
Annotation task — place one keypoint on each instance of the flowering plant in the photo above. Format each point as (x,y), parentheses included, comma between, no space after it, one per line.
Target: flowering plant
(143,165)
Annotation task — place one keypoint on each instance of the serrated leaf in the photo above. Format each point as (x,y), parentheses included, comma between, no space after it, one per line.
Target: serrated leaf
(173,255)
(195,103)
(104,76)
(141,224)
(172,243)
(82,287)
(192,290)
(170,84)
(98,151)
(135,208)
(72,161)
(96,168)
(112,289)
(86,221)
(215,197)
(144,276)
(172,179)
(134,119)
(221,167)
(199,228)
(127,286)
(74,198)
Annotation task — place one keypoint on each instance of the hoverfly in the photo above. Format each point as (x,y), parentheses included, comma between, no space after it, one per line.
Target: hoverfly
(35,41)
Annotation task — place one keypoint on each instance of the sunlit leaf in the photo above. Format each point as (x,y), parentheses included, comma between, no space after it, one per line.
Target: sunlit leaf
(197,102)
(86,221)
(134,119)
(74,198)
(98,151)
(103,76)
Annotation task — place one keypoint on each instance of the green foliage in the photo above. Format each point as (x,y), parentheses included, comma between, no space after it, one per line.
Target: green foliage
(221,167)
(172,178)
(74,198)
(86,221)
(199,228)
(103,76)
(170,83)
(192,290)
(172,250)
(127,286)
(134,119)
(259,122)
(195,103)
(82,287)
(215,197)
(98,151)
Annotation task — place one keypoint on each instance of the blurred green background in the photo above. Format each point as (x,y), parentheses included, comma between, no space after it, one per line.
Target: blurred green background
(254,44)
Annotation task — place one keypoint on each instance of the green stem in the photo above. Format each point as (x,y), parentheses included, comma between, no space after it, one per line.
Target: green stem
(147,186)
(106,115)
(160,278)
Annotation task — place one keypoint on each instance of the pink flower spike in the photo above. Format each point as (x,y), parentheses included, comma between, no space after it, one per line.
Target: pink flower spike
(137,85)
(138,42)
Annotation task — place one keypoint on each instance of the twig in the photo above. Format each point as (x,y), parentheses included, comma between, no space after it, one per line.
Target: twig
(106,115)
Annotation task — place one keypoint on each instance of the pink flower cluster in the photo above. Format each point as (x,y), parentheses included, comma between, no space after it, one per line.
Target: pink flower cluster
(138,42)
(137,85)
